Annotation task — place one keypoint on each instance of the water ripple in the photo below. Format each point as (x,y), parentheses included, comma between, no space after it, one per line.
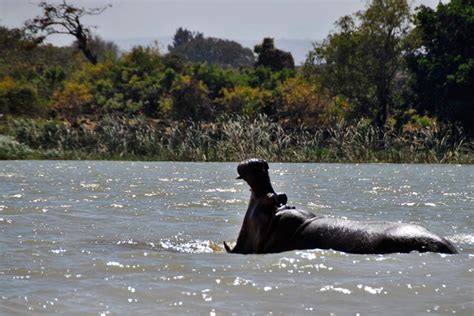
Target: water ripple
(90,237)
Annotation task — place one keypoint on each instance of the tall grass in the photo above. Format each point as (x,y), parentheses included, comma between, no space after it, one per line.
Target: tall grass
(234,138)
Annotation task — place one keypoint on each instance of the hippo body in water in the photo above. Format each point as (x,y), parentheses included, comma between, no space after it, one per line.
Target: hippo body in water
(270,226)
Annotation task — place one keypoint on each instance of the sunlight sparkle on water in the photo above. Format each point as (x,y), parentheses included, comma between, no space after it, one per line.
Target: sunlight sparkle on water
(131,242)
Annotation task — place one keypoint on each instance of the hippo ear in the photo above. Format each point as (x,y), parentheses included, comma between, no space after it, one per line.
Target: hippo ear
(282,199)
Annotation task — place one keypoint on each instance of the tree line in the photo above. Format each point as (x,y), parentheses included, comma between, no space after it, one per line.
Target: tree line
(390,65)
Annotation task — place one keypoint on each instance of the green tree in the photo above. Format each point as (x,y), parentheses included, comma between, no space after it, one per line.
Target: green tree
(37,70)
(361,59)
(15,52)
(271,57)
(215,78)
(182,36)
(214,51)
(442,64)
(133,84)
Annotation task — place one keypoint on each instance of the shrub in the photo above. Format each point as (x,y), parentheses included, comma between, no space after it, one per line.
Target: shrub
(245,100)
(190,100)
(12,149)
(18,98)
(74,99)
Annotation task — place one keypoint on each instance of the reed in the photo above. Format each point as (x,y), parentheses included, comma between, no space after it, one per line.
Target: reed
(234,138)
(12,149)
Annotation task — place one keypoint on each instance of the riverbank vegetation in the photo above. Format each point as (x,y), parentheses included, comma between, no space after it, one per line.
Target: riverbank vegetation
(225,139)
(386,85)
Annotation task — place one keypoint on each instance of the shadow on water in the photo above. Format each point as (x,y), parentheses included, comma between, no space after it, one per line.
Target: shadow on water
(463,242)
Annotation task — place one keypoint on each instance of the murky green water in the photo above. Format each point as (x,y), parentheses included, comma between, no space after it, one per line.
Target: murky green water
(118,238)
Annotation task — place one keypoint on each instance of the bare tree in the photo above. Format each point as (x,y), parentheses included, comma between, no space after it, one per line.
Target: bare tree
(64,18)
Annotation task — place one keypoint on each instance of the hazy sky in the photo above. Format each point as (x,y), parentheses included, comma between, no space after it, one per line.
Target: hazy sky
(231,19)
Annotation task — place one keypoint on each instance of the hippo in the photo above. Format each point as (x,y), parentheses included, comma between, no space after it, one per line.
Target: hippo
(271,226)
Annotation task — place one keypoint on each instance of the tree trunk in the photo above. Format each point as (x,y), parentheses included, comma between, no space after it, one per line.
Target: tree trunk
(90,56)
(83,45)
(382,114)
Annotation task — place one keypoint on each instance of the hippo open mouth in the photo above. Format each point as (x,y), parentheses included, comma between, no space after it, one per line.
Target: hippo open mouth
(251,167)
(271,226)
(255,173)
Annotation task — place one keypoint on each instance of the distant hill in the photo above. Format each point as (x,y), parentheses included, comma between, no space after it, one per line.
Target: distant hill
(299,48)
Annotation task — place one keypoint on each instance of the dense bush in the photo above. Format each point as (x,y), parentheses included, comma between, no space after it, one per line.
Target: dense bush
(403,89)
(18,98)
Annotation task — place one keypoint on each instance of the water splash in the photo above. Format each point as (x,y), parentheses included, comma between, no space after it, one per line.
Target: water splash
(194,246)
(462,239)
(332,288)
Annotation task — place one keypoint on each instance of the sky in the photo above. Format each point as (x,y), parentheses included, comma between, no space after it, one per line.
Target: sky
(240,20)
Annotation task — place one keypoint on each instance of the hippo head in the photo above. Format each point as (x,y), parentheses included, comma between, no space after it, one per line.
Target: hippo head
(252,168)
(255,173)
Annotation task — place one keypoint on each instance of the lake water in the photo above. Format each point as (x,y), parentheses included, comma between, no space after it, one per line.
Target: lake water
(141,238)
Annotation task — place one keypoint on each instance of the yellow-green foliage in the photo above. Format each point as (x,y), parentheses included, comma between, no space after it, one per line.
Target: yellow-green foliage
(339,109)
(7,83)
(301,103)
(18,98)
(73,99)
(245,100)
